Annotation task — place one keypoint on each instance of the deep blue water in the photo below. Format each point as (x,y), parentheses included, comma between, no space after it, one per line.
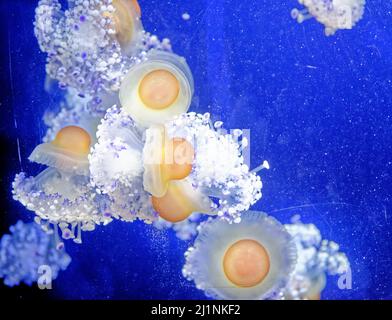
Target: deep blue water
(318,108)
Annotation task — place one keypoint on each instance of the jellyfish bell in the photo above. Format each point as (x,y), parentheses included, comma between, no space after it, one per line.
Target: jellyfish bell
(333,14)
(180,201)
(157,89)
(252,259)
(126,22)
(67,152)
(164,160)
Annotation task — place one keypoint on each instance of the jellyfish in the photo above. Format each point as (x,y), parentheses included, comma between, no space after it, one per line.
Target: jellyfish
(251,260)
(317,258)
(74,111)
(182,166)
(26,249)
(68,151)
(218,182)
(157,89)
(61,195)
(92,44)
(167,163)
(333,14)
(116,167)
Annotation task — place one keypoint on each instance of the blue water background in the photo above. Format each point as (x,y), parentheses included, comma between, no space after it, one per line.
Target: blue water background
(318,109)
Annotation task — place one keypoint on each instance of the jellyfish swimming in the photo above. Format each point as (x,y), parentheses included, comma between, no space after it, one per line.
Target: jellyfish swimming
(251,260)
(317,258)
(61,195)
(219,181)
(26,249)
(184,166)
(333,14)
(157,89)
(91,45)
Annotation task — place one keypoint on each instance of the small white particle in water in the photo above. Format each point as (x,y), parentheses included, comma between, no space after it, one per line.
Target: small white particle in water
(186,16)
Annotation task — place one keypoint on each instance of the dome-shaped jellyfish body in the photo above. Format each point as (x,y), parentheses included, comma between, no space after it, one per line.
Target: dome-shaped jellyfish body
(61,195)
(116,166)
(252,259)
(92,44)
(25,250)
(77,115)
(333,14)
(218,171)
(157,89)
(316,259)
(67,152)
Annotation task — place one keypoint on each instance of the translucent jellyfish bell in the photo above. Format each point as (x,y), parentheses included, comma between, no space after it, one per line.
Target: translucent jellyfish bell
(164,160)
(252,259)
(67,152)
(333,14)
(157,89)
(127,23)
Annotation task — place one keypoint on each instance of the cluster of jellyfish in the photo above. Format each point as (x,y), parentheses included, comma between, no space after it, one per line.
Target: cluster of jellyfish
(124,146)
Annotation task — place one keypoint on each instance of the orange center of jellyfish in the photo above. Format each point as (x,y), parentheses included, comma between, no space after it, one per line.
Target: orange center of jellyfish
(246,263)
(73,139)
(178,158)
(174,206)
(159,89)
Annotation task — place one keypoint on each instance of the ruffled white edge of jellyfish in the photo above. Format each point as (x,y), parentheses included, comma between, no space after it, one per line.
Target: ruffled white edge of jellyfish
(93,75)
(116,159)
(52,156)
(218,168)
(80,214)
(317,258)
(204,260)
